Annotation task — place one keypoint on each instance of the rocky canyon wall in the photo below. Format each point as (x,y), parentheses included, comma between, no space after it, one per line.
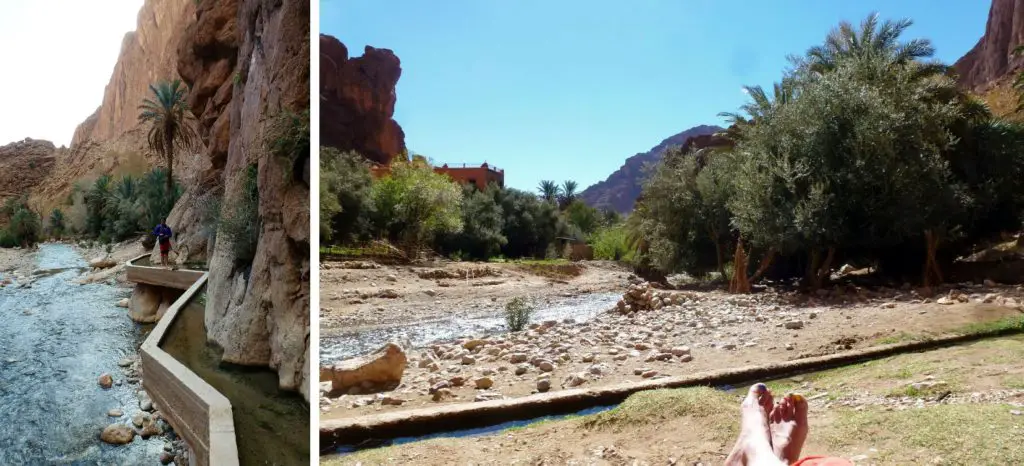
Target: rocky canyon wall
(357,101)
(23,165)
(247,62)
(148,55)
(111,141)
(990,59)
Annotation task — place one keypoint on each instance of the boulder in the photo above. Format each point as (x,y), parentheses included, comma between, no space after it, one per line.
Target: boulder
(383,368)
(106,381)
(117,434)
(102,263)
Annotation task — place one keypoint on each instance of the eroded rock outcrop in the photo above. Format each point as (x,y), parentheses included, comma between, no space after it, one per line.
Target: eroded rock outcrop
(23,165)
(149,303)
(990,59)
(148,55)
(247,62)
(357,101)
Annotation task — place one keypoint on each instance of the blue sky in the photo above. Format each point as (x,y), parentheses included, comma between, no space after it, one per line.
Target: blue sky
(569,89)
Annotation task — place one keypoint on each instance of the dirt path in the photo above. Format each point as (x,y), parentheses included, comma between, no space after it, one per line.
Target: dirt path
(959,405)
(707,330)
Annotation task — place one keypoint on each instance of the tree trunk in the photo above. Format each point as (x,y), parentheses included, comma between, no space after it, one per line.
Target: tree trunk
(721,260)
(821,272)
(169,152)
(766,262)
(931,265)
(740,282)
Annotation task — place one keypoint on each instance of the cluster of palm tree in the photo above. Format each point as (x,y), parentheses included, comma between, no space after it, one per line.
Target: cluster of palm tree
(119,208)
(563,195)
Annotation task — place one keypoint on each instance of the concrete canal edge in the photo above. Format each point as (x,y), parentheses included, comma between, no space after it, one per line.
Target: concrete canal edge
(198,412)
(408,423)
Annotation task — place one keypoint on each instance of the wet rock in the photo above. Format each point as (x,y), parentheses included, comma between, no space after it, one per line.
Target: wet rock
(166,457)
(123,303)
(145,404)
(106,381)
(115,413)
(384,367)
(126,362)
(139,419)
(117,434)
(150,428)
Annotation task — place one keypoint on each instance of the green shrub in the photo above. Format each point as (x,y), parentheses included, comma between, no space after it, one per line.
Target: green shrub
(7,240)
(612,244)
(414,204)
(517,314)
(240,218)
(345,208)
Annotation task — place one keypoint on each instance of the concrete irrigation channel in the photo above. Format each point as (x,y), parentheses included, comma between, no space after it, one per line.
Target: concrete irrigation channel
(379,428)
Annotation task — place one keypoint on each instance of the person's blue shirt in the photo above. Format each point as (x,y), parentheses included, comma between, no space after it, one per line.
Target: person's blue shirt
(162,232)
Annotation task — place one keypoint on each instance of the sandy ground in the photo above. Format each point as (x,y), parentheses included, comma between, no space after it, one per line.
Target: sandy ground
(958,405)
(354,298)
(710,330)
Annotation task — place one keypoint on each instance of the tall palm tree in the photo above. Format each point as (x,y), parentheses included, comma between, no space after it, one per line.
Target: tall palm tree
(870,40)
(549,190)
(761,105)
(172,123)
(568,192)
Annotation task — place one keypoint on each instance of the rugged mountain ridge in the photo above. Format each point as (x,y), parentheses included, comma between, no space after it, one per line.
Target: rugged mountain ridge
(357,101)
(620,190)
(990,59)
(247,61)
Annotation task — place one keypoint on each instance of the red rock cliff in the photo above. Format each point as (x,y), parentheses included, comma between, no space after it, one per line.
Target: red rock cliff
(148,55)
(357,101)
(990,59)
(23,165)
(247,61)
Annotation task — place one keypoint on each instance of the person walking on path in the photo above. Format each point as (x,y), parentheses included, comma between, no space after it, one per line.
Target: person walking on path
(163,235)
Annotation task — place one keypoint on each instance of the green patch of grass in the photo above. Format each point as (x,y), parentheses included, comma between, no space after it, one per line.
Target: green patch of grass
(959,434)
(1009,324)
(715,409)
(1013,381)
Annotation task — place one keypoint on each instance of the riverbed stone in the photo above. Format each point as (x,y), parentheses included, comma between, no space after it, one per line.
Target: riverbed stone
(484,383)
(124,302)
(106,381)
(116,412)
(383,368)
(117,434)
(543,385)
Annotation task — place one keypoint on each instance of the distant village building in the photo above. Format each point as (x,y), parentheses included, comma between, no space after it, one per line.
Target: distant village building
(479,176)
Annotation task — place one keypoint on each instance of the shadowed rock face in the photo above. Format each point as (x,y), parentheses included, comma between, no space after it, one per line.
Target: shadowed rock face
(620,191)
(990,59)
(23,165)
(357,101)
(247,61)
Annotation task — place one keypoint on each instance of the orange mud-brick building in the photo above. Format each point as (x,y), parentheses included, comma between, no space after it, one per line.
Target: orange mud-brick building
(477,175)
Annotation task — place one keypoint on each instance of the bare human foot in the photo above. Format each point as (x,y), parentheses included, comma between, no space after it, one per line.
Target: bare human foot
(789,427)
(754,446)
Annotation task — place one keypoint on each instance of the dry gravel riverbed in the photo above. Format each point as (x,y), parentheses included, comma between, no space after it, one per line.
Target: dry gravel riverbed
(693,332)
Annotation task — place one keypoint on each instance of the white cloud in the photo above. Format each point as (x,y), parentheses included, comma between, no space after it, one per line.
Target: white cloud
(56,57)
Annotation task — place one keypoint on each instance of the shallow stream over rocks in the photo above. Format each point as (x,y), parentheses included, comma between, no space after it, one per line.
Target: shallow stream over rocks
(56,339)
(346,345)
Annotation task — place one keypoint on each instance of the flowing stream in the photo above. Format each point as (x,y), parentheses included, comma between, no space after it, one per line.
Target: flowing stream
(56,338)
(349,344)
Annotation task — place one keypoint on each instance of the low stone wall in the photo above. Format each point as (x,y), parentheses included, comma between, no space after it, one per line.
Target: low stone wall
(198,412)
(421,421)
(180,279)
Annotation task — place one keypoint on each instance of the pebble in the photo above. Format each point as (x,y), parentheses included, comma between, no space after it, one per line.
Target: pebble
(543,385)
(794,324)
(483,383)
